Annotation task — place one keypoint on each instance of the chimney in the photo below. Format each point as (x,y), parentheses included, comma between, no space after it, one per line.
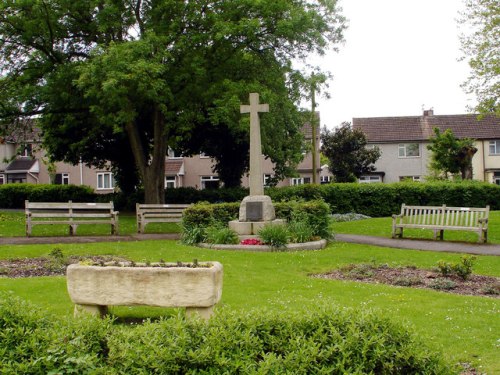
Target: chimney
(429,112)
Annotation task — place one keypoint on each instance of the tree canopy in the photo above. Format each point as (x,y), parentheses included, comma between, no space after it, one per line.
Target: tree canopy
(346,150)
(123,80)
(481,48)
(451,155)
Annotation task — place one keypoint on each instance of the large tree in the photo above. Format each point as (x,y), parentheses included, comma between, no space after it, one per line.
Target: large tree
(481,48)
(346,150)
(121,80)
(451,155)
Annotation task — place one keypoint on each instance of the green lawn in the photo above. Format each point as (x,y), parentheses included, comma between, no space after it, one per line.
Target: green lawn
(464,328)
(12,224)
(382,227)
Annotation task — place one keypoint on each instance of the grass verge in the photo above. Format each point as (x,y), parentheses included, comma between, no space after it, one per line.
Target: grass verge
(464,328)
(381,227)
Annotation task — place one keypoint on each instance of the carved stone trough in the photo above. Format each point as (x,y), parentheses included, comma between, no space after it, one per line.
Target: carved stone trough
(94,287)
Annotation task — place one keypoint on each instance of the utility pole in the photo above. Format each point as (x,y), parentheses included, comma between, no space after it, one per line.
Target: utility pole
(313,129)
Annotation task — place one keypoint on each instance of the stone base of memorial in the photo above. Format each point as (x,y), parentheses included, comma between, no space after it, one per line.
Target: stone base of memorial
(93,288)
(255,212)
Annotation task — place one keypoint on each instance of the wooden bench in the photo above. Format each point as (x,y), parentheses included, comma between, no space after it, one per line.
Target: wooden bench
(158,213)
(441,218)
(70,213)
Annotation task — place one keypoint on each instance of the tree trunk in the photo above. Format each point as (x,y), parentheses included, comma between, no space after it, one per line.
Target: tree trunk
(151,167)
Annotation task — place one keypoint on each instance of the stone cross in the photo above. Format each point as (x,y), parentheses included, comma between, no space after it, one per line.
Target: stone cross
(256,178)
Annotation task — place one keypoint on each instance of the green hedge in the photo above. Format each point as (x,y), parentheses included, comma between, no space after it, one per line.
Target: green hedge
(378,200)
(375,200)
(204,214)
(328,340)
(14,195)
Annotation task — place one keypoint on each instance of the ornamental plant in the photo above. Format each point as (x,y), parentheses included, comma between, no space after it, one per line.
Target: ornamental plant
(251,241)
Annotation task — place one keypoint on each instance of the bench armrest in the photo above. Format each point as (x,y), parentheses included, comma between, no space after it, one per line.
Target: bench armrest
(483,220)
(396,216)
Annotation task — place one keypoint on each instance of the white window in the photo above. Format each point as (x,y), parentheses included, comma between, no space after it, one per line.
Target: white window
(209,182)
(410,178)
(267,178)
(325,179)
(173,154)
(105,181)
(300,180)
(369,179)
(170,182)
(409,150)
(62,179)
(494,147)
(2,179)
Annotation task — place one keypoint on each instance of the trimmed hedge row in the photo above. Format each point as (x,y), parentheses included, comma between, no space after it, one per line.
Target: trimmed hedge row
(374,200)
(328,340)
(14,195)
(317,214)
(379,200)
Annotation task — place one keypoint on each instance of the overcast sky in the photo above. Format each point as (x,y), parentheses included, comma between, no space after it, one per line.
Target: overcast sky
(399,56)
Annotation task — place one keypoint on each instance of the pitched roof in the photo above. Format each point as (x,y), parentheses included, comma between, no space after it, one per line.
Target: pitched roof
(173,167)
(420,128)
(20,165)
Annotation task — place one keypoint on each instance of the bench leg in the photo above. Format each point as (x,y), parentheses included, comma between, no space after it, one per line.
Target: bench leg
(483,236)
(72,229)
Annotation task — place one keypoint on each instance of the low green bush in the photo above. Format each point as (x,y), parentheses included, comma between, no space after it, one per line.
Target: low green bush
(221,235)
(462,269)
(328,340)
(274,235)
(14,195)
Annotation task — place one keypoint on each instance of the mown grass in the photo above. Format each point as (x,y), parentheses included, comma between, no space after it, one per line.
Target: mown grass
(465,328)
(12,224)
(381,227)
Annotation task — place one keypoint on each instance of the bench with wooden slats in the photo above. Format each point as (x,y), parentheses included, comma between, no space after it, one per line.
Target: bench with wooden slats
(71,214)
(441,218)
(158,213)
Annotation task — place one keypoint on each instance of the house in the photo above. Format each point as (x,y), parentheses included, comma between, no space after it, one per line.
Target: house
(31,166)
(403,142)
(197,171)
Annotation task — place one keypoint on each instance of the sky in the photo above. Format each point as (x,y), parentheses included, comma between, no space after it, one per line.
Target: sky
(399,57)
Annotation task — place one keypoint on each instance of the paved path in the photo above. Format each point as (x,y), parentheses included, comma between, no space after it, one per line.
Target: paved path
(429,245)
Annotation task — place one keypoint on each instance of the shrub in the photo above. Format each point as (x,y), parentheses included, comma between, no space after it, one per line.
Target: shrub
(443,284)
(274,235)
(192,235)
(326,340)
(14,195)
(299,231)
(379,200)
(462,269)
(221,235)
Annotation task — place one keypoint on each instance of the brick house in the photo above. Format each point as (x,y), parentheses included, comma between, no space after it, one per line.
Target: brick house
(403,142)
(31,166)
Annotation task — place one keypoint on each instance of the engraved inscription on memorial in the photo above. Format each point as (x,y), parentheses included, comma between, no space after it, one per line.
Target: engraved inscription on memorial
(254,211)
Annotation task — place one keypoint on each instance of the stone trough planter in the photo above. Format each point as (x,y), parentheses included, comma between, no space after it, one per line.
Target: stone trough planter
(94,287)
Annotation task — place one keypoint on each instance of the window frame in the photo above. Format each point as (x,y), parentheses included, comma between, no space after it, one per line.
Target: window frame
(101,185)
(496,145)
(211,178)
(170,180)
(404,147)
(370,179)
